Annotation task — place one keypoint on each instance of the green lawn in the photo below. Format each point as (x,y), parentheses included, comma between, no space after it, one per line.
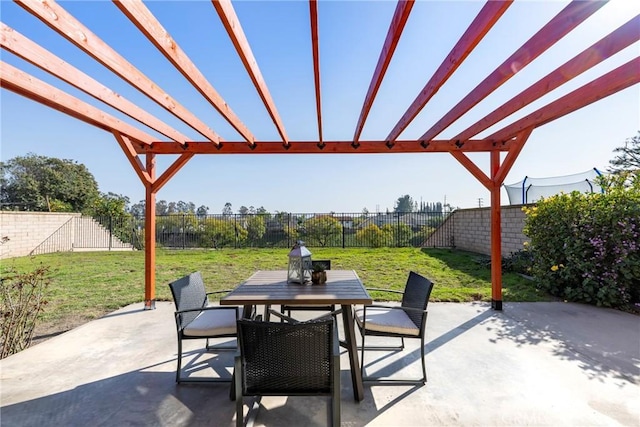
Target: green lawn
(86,285)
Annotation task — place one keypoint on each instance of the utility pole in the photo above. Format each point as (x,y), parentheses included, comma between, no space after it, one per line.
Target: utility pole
(479,202)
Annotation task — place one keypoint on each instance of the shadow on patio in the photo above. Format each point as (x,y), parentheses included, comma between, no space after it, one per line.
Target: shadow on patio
(532,364)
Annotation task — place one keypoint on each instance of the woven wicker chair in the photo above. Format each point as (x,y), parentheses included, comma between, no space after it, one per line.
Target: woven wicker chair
(289,308)
(195,319)
(407,321)
(288,359)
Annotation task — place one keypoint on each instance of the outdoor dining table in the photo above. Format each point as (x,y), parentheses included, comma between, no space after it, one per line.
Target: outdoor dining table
(343,287)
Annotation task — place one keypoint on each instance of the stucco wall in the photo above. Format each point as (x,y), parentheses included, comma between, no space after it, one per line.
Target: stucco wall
(27,230)
(44,232)
(472,230)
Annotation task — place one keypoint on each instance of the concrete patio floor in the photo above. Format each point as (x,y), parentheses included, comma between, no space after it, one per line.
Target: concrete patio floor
(534,364)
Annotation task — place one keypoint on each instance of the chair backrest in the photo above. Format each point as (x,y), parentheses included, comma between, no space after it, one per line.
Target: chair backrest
(326,263)
(283,358)
(189,293)
(416,295)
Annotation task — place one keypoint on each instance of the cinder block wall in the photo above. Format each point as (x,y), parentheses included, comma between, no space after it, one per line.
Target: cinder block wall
(26,230)
(472,230)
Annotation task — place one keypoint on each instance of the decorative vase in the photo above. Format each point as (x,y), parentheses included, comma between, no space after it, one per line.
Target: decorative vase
(318,277)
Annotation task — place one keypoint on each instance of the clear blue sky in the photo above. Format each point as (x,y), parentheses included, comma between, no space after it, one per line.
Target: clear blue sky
(351,36)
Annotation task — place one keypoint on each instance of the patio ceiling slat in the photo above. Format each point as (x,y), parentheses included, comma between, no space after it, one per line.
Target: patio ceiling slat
(400,17)
(614,81)
(144,20)
(483,22)
(313,16)
(234,29)
(26,49)
(35,89)
(73,30)
(565,21)
(621,38)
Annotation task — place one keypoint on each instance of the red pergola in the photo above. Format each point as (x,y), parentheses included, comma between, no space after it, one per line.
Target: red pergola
(142,148)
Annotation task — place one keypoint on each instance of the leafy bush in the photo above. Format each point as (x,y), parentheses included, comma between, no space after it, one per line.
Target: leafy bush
(586,247)
(519,262)
(372,236)
(22,299)
(400,233)
(219,233)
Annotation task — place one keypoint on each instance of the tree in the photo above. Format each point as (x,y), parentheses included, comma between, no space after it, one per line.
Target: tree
(138,209)
(202,210)
(322,230)
(255,228)
(227,210)
(47,184)
(110,204)
(629,157)
(404,204)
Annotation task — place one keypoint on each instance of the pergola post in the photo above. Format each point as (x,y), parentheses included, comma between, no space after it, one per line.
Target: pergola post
(150,237)
(496,233)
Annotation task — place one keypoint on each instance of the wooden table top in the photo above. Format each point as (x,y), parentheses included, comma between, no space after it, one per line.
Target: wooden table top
(271,287)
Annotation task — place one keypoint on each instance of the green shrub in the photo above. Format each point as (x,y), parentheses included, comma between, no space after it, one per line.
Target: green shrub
(372,236)
(519,262)
(586,247)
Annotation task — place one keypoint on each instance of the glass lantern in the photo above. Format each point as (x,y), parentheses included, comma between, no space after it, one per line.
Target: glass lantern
(299,264)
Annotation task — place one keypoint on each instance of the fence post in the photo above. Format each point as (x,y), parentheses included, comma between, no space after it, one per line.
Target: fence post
(184,234)
(342,222)
(110,230)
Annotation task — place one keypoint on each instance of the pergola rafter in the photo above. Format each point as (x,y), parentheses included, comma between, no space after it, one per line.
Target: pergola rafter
(621,38)
(400,17)
(503,146)
(153,30)
(21,46)
(315,48)
(483,22)
(234,29)
(70,28)
(565,21)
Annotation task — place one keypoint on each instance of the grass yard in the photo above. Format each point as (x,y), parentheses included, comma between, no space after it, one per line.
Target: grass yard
(86,285)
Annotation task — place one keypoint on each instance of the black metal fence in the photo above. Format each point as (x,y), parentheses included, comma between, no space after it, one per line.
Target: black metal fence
(282,230)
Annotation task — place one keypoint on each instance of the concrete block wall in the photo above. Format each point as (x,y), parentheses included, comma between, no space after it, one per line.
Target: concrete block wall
(27,230)
(472,230)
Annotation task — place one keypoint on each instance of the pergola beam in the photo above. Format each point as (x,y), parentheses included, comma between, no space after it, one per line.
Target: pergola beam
(234,30)
(400,17)
(329,147)
(565,21)
(26,49)
(608,46)
(144,20)
(313,17)
(30,87)
(483,22)
(73,30)
(614,81)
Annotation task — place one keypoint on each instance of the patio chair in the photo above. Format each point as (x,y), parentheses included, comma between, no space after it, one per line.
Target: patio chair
(195,319)
(311,307)
(409,320)
(287,359)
